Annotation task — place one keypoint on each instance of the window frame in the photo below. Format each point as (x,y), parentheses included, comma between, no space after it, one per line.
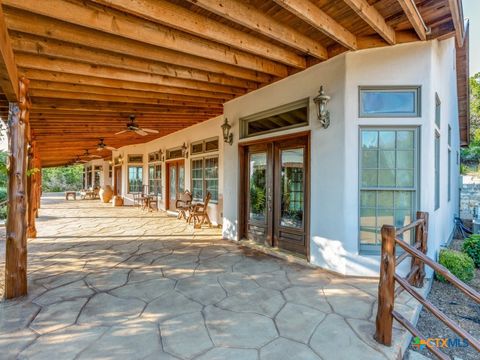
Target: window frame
(244,121)
(437,169)
(203,178)
(137,166)
(155,179)
(417,90)
(369,249)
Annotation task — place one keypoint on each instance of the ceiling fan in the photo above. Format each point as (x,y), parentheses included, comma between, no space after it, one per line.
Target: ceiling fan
(102,146)
(132,126)
(88,155)
(77,160)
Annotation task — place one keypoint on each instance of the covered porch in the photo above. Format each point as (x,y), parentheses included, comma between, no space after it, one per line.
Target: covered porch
(101,287)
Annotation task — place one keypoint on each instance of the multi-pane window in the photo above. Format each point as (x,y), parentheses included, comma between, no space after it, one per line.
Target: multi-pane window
(449,180)
(135,178)
(89,177)
(388,181)
(197,179)
(438,113)
(437,170)
(155,179)
(97,174)
(391,101)
(205,178)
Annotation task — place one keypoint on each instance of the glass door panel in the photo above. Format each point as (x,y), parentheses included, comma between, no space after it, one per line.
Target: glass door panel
(258,187)
(292,188)
(172,176)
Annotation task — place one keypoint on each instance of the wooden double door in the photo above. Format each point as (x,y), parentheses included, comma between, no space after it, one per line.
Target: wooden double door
(275,202)
(175,182)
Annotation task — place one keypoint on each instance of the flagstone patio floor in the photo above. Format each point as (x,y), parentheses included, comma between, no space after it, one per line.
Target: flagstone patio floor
(119,283)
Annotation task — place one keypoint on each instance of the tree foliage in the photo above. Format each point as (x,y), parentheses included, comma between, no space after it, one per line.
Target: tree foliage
(62,178)
(471,155)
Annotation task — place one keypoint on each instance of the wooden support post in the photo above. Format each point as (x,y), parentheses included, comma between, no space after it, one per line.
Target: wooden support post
(386,287)
(16,239)
(31,188)
(421,236)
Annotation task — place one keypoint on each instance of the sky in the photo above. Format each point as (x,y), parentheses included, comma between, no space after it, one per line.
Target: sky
(471,10)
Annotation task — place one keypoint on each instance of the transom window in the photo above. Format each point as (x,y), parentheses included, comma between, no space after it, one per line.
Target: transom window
(391,101)
(388,182)
(202,146)
(285,117)
(135,159)
(205,178)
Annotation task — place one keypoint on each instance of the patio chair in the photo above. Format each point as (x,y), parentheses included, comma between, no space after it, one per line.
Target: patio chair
(199,213)
(183,203)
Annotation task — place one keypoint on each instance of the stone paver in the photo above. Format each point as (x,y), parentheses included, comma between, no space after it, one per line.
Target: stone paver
(119,283)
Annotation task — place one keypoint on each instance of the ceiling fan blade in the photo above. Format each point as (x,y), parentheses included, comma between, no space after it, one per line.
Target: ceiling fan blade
(111,148)
(150,131)
(141,132)
(99,148)
(121,132)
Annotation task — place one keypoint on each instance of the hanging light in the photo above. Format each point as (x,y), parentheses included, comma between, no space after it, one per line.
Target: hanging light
(321,101)
(227,136)
(184,151)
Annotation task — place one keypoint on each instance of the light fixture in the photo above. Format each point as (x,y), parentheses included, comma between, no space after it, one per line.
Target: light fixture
(160,154)
(227,136)
(321,101)
(184,151)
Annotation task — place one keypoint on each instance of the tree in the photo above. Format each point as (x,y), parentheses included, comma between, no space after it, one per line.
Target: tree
(471,155)
(62,178)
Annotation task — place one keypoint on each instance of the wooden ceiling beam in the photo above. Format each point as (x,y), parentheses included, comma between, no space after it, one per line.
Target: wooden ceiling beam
(180,18)
(38,62)
(245,14)
(53,94)
(59,30)
(150,33)
(99,90)
(413,16)
(52,76)
(56,49)
(8,70)
(373,18)
(315,17)
(458,20)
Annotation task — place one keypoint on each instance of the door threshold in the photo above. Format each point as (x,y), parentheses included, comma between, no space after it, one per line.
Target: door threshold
(278,253)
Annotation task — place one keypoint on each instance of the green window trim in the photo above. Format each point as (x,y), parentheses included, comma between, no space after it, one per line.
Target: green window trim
(389,194)
(204,178)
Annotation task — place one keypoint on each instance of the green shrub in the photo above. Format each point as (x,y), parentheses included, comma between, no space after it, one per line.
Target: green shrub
(471,247)
(3,194)
(461,265)
(3,212)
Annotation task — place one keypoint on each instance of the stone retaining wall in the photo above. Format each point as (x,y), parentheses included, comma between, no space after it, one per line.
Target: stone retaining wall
(469,195)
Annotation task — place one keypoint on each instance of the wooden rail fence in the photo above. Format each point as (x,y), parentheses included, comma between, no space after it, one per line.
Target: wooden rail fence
(391,238)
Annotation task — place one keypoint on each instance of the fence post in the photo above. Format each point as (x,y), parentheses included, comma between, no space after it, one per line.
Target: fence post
(421,235)
(386,287)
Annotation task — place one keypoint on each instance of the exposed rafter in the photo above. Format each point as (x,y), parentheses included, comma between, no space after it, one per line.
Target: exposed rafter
(310,13)
(411,11)
(457,18)
(373,18)
(245,14)
(8,69)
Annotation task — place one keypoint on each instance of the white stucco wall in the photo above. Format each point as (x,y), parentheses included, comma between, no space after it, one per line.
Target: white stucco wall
(334,197)
(202,131)
(105,179)
(334,164)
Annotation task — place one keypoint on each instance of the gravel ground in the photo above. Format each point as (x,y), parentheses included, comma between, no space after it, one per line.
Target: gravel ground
(459,308)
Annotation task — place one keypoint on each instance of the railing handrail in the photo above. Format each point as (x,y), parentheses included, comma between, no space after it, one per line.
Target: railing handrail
(410,226)
(415,278)
(474,295)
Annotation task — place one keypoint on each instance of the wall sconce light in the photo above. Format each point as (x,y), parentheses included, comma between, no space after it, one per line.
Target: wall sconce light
(321,101)
(160,154)
(184,151)
(227,136)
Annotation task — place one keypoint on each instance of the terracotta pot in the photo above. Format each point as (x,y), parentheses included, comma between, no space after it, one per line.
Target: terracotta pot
(117,201)
(106,194)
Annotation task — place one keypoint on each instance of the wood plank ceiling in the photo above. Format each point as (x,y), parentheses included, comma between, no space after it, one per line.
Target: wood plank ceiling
(173,63)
